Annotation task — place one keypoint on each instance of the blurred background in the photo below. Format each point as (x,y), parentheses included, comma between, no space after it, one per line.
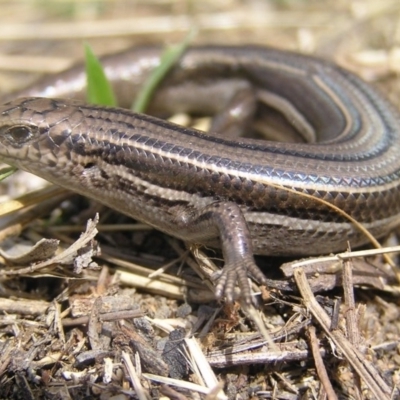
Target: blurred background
(43,36)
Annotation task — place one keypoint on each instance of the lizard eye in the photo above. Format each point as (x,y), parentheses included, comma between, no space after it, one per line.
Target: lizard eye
(17,135)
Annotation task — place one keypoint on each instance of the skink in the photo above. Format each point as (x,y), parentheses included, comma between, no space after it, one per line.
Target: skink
(212,189)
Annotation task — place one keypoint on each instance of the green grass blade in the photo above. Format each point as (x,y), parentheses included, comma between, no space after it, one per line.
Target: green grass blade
(6,172)
(99,90)
(168,59)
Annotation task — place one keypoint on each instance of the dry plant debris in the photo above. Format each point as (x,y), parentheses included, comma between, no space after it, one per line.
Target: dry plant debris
(80,323)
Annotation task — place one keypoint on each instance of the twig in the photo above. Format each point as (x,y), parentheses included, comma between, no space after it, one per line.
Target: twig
(113,316)
(140,391)
(319,364)
(357,360)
